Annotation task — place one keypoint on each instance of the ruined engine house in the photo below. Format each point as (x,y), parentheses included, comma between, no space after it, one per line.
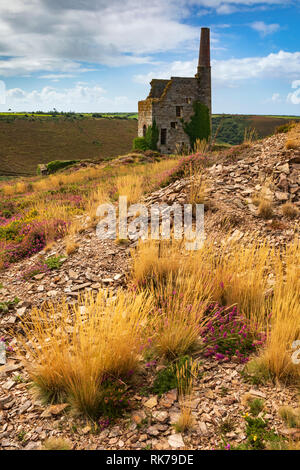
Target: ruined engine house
(171,103)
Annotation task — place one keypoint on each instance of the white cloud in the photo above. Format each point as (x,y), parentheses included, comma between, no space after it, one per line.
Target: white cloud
(284,65)
(80,98)
(294,97)
(296,84)
(265,29)
(57,36)
(276,97)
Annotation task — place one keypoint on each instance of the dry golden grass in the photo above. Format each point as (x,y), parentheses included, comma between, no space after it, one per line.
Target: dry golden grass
(290,210)
(284,330)
(183,301)
(186,374)
(197,189)
(293,137)
(8,189)
(291,144)
(265,209)
(131,186)
(285,314)
(56,443)
(155,260)
(71,350)
(250,135)
(71,247)
(201,146)
(240,274)
(264,200)
(235,275)
(291,416)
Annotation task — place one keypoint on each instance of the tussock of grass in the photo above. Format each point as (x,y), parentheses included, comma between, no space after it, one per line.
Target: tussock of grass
(290,210)
(186,373)
(265,210)
(56,443)
(73,350)
(290,416)
(71,247)
(291,144)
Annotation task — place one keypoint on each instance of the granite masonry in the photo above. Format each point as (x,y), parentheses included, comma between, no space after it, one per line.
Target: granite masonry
(171,101)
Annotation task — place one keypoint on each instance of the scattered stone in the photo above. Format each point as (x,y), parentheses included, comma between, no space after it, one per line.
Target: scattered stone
(152,402)
(176,441)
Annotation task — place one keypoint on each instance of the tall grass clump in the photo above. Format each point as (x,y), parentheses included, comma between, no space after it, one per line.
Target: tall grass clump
(72,351)
(284,315)
(185,373)
(181,305)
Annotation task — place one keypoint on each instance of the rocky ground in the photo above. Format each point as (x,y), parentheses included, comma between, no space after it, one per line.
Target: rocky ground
(220,396)
(231,185)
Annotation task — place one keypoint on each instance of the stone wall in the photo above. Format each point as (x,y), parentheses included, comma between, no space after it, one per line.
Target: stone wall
(145,115)
(164,97)
(182,92)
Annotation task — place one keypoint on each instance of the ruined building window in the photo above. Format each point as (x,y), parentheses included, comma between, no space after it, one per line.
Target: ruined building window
(174,125)
(188,100)
(178,111)
(144,130)
(163,136)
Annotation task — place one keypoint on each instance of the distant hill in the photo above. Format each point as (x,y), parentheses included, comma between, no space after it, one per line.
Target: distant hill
(27,141)
(230,128)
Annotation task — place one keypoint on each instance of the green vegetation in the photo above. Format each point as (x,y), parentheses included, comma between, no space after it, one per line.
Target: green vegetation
(199,125)
(54,262)
(256,406)
(8,304)
(56,165)
(167,378)
(140,143)
(230,129)
(152,135)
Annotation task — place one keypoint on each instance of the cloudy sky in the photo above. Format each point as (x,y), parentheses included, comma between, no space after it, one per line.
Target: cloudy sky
(99,55)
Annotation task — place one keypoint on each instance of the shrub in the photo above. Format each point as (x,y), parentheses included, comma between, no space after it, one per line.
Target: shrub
(284,128)
(56,165)
(54,262)
(152,135)
(228,334)
(256,406)
(140,143)
(186,166)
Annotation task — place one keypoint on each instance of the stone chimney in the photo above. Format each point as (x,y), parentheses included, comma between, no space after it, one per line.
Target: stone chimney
(204,52)
(204,69)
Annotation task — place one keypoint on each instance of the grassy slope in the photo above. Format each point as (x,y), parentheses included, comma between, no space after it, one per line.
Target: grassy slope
(25,142)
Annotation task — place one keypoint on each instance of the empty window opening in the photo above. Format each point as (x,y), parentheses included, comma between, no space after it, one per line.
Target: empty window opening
(178,111)
(174,125)
(144,130)
(188,100)
(163,136)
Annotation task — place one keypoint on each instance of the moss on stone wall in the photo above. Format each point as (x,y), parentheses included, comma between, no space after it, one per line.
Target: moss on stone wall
(199,125)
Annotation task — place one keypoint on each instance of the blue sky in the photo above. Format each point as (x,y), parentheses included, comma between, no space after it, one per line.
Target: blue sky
(97,55)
